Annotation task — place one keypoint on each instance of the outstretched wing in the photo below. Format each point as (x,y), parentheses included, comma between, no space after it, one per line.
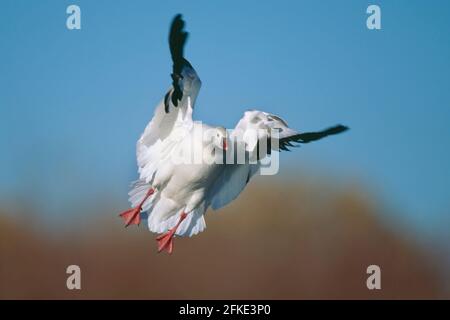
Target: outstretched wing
(256,126)
(172,119)
(256,130)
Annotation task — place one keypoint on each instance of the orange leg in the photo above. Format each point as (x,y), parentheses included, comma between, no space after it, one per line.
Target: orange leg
(133,215)
(165,241)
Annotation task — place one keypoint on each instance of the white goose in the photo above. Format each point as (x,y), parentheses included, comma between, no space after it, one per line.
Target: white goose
(176,194)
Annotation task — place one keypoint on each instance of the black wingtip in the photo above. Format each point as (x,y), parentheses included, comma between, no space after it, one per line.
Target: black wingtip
(313,136)
(307,137)
(178,16)
(177,22)
(337,129)
(177,38)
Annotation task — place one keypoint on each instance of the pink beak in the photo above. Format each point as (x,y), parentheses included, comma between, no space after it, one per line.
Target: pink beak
(224,144)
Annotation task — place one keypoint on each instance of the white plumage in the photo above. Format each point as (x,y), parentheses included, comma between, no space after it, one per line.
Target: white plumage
(176,194)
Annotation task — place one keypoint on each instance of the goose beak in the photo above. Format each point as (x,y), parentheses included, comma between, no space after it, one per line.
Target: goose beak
(224,144)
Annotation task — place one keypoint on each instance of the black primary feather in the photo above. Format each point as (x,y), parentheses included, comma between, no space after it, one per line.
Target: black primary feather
(177,40)
(307,137)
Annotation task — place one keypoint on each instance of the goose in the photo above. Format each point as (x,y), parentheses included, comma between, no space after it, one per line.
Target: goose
(186,166)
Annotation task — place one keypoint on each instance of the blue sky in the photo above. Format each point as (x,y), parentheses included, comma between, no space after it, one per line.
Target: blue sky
(73,103)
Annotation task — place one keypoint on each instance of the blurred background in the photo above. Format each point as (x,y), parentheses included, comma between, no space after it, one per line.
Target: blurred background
(74,102)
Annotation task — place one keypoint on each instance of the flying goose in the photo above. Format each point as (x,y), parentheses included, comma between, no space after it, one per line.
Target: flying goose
(186,166)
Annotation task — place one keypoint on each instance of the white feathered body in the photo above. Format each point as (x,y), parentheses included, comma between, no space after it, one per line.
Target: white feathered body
(165,164)
(193,186)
